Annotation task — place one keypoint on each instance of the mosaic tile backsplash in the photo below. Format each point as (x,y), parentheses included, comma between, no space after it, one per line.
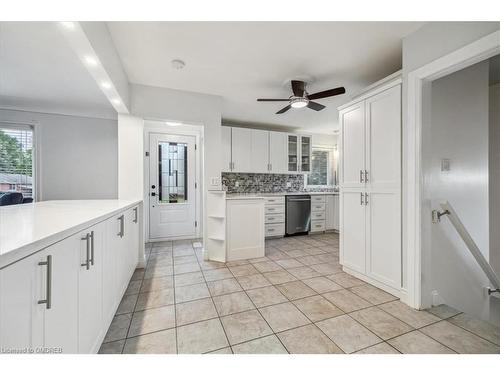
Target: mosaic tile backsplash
(264,183)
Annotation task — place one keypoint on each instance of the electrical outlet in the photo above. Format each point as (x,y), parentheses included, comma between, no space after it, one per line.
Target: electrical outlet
(237,184)
(445,165)
(288,184)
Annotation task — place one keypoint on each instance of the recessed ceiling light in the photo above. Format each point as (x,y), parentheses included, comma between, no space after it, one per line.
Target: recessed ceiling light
(105,85)
(90,60)
(178,64)
(116,101)
(68,25)
(173,123)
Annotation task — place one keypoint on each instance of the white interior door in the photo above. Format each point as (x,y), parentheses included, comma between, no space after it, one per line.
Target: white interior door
(172,195)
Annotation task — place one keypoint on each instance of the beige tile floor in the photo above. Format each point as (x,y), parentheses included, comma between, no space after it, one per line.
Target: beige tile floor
(296,299)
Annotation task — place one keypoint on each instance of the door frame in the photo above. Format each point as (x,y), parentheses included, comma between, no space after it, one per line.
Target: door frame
(159,127)
(418,82)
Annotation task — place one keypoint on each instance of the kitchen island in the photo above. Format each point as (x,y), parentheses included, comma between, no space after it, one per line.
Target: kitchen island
(64,267)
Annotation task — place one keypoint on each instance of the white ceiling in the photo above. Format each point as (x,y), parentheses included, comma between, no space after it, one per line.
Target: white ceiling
(243,61)
(39,71)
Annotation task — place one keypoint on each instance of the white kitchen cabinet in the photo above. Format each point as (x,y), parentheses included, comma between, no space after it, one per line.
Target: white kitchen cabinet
(299,151)
(305,153)
(332,212)
(260,151)
(90,297)
(370,182)
(353,231)
(277,152)
(39,300)
(65,295)
(241,150)
(21,318)
(352,122)
(245,230)
(226,149)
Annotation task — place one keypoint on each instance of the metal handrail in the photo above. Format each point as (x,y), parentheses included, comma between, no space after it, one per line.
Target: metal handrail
(471,245)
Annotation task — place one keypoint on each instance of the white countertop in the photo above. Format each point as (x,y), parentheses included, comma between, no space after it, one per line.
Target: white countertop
(262,195)
(27,228)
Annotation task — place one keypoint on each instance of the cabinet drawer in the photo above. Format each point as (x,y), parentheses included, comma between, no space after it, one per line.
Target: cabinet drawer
(317,199)
(315,207)
(275,200)
(275,230)
(275,218)
(317,225)
(275,209)
(318,215)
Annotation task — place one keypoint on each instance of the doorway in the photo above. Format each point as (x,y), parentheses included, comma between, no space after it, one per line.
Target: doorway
(173,194)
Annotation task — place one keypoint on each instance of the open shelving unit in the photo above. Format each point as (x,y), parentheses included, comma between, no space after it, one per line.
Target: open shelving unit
(216,225)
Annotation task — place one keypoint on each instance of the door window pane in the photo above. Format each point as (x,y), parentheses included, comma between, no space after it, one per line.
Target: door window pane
(172,170)
(16,159)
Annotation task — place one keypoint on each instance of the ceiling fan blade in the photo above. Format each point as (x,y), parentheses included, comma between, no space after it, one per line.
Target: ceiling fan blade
(315,106)
(327,93)
(298,88)
(283,110)
(272,100)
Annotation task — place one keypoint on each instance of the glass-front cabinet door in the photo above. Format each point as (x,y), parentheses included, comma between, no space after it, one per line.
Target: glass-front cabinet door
(305,153)
(293,153)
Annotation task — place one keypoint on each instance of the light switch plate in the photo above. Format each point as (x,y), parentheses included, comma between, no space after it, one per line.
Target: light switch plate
(215,181)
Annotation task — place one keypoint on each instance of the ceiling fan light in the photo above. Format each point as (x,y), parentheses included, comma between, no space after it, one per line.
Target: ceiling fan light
(298,102)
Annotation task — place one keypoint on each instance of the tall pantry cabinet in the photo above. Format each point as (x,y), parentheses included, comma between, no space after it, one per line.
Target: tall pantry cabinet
(370,186)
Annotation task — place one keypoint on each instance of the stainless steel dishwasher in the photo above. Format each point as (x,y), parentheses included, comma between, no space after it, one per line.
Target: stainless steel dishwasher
(298,214)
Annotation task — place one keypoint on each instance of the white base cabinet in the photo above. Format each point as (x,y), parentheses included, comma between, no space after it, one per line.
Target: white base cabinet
(62,298)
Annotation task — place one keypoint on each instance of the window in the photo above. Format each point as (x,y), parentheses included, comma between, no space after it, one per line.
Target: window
(172,172)
(322,170)
(16,159)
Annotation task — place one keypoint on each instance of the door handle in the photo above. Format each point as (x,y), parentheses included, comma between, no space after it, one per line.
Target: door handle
(366,175)
(135,215)
(362,202)
(366,199)
(48,281)
(87,245)
(361,176)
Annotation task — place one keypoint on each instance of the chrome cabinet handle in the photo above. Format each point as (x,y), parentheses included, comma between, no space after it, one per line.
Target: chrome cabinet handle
(87,262)
(48,281)
(135,215)
(366,199)
(362,203)
(122,229)
(361,176)
(92,247)
(366,175)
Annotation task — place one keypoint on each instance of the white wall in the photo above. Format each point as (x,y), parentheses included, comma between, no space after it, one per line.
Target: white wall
(78,156)
(154,103)
(431,41)
(130,157)
(458,131)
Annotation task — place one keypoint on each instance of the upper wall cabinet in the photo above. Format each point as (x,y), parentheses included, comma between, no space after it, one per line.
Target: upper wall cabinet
(277,152)
(299,150)
(261,151)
